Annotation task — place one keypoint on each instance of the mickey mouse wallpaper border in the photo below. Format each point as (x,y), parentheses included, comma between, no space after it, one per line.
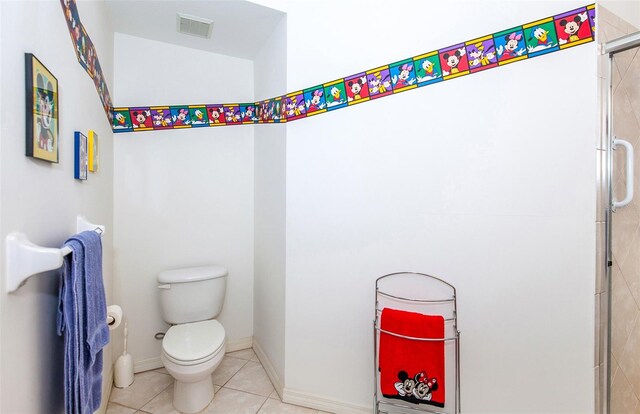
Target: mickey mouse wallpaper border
(537,38)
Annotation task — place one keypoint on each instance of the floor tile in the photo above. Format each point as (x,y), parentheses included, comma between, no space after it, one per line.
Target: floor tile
(245,354)
(272,406)
(162,403)
(227,369)
(113,408)
(146,385)
(246,390)
(161,371)
(251,378)
(228,401)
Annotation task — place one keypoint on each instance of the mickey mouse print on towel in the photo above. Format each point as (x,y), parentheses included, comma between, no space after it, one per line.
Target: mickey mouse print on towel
(417,389)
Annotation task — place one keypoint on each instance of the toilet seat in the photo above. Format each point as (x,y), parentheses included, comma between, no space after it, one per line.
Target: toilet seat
(193,343)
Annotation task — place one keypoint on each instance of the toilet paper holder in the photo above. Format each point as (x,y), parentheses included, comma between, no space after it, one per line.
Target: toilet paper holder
(25,259)
(114,316)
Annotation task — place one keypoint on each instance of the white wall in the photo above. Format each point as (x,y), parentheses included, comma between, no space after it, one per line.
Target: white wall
(182,198)
(41,199)
(270,209)
(486,181)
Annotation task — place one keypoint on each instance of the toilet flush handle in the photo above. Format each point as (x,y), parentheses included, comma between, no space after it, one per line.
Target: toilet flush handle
(167,286)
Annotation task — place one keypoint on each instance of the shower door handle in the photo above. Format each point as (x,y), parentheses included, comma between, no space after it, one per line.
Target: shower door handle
(629,149)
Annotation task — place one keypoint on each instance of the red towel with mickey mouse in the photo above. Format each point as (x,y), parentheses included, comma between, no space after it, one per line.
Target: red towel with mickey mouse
(412,370)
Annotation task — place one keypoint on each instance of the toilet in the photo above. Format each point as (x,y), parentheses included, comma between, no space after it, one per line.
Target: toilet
(193,347)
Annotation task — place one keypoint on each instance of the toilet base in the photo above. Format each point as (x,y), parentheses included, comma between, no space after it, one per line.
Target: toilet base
(193,385)
(191,397)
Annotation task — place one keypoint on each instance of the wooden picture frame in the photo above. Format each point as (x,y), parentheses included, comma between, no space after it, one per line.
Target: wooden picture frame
(42,116)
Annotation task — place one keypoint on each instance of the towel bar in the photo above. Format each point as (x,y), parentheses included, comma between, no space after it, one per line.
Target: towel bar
(25,259)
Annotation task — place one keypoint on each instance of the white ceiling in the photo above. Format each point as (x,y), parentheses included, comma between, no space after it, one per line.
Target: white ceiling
(239,29)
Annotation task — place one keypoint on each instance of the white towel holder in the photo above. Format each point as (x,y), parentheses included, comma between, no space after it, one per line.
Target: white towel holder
(82,224)
(25,259)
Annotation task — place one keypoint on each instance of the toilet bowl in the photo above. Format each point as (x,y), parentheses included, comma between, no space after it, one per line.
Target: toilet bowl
(190,353)
(194,345)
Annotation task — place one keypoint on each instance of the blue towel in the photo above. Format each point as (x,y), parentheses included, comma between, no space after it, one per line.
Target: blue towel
(82,319)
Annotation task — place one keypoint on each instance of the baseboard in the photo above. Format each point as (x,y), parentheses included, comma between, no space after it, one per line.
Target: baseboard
(269,368)
(147,364)
(155,362)
(107,382)
(301,398)
(318,402)
(239,344)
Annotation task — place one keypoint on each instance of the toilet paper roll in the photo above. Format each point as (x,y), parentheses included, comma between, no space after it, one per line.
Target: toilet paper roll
(114,316)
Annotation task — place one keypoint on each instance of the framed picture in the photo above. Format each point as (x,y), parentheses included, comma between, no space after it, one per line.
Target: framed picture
(81,158)
(93,151)
(41,111)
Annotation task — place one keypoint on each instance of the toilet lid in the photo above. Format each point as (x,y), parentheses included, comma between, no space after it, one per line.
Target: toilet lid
(196,340)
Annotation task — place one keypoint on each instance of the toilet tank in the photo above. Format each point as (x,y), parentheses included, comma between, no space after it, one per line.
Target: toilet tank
(192,294)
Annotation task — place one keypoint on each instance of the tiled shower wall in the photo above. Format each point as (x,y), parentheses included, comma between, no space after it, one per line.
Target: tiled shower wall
(625,270)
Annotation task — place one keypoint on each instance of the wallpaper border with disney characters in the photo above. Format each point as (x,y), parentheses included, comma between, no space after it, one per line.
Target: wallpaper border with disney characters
(87,54)
(537,38)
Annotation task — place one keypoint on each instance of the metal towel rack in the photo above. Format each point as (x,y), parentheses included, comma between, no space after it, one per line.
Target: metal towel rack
(25,259)
(427,295)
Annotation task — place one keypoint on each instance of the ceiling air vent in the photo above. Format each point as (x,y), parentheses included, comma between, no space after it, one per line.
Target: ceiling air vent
(195,26)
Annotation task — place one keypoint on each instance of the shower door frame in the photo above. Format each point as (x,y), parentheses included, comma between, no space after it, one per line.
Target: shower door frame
(610,49)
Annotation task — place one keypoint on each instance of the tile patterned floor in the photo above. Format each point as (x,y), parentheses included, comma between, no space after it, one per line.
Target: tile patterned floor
(241,386)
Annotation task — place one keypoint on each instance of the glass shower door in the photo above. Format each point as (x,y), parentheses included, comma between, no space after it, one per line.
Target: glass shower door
(622,274)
